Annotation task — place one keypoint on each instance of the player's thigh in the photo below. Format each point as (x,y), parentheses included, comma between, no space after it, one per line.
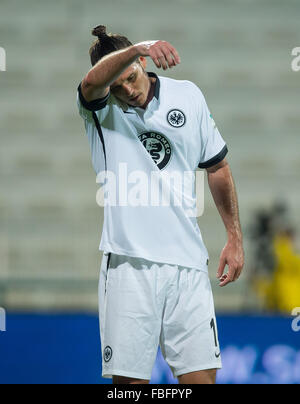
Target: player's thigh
(189,337)
(130,326)
(199,377)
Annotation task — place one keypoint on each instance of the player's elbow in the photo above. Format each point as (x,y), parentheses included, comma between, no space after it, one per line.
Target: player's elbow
(88,82)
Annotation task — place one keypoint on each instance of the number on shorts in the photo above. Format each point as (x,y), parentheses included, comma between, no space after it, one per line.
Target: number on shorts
(213,326)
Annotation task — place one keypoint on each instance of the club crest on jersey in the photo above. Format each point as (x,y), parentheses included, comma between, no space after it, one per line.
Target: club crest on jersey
(158,146)
(107,354)
(176,118)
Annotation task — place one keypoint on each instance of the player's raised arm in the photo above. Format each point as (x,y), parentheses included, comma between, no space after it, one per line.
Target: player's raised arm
(97,82)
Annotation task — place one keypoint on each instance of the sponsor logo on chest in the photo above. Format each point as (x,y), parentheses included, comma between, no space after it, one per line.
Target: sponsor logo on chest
(158,146)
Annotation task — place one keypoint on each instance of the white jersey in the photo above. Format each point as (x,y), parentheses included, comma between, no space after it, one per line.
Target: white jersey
(175,134)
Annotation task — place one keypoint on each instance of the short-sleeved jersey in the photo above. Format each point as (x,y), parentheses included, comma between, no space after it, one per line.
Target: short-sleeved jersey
(174,134)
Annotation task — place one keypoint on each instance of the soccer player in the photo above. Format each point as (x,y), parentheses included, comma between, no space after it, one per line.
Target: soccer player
(154,285)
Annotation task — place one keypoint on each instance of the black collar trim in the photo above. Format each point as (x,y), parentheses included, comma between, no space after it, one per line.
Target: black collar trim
(157,84)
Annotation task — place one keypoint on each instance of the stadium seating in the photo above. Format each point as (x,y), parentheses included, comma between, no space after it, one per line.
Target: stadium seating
(240,56)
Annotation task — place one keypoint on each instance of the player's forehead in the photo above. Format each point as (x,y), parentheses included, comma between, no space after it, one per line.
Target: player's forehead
(126,74)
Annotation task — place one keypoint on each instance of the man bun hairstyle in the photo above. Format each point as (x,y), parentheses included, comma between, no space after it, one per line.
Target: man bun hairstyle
(100,32)
(106,43)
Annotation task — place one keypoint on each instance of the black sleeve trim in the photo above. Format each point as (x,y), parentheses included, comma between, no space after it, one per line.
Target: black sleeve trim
(95,105)
(215,160)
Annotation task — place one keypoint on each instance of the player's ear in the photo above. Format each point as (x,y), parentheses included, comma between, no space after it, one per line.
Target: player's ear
(143,62)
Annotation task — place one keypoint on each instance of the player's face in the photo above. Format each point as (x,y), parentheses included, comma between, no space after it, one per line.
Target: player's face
(133,86)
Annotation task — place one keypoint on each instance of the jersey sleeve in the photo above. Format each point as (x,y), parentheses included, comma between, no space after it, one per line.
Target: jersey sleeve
(213,146)
(93,113)
(86,109)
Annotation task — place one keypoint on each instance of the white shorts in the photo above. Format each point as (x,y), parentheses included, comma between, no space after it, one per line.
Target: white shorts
(145,304)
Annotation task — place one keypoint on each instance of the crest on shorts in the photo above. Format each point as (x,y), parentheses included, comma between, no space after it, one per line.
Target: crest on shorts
(158,146)
(176,118)
(107,354)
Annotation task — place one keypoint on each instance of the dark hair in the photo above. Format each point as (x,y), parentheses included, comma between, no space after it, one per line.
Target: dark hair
(106,43)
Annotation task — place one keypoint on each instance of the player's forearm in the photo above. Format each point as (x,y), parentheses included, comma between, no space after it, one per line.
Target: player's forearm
(223,190)
(108,69)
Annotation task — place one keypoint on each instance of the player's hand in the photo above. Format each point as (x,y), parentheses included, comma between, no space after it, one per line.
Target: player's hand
(162,53)
(233,256)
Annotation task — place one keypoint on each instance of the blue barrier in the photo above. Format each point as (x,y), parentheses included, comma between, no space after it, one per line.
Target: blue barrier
(56,349)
